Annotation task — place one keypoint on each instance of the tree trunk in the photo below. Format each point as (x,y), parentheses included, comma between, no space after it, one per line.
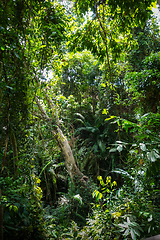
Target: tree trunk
(67,154)
(62,141)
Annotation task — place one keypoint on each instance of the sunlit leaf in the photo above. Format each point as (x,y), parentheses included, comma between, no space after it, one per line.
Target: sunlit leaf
(78,197)
(133,235)
(142,146)
(120,148)
(42,46)
(113,150)
(124,173)
(105,111)
(111,117)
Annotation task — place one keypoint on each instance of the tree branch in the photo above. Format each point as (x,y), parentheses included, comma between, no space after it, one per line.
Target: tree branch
(43,112)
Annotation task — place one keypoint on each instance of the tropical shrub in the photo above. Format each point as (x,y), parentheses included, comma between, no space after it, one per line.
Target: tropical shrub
(23,216)
(125,213)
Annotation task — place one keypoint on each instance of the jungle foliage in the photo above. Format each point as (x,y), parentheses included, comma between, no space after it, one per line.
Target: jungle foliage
(80,120)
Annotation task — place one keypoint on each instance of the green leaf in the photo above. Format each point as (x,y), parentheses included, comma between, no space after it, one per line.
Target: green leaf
(42,46)
(133,224)
(113,150)
(75,234)
(128,220)
(94,193)
(10,207)
(126,232)
(99,196)
(16,54)
(124,173)
(151,156)
(120,148)
(80,115)
(150,218)
(124,225)
(101,145)
(9,87)
(142,146)
(79,198)
(137,232)
(133,235)
(107,190)
(15,208)
(120,142)
(149,229)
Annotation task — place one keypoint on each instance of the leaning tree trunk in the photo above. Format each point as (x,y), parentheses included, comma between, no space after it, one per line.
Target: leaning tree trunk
(62,141)
(67,154)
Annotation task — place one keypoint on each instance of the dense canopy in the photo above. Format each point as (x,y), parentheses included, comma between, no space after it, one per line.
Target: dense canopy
(80,119)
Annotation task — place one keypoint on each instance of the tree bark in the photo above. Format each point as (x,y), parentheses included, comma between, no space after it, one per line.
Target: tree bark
(67,154)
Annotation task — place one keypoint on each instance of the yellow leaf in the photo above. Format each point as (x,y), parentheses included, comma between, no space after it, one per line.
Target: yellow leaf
(100,195)
(38,181)
(154,4)
(105,111)
(114,183)
(111,117)
(42,46)
(99,178)
(103,85)
(116,214)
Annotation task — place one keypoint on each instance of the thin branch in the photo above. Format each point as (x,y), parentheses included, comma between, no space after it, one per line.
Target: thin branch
(52,105)
(38,115)
(43,112)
